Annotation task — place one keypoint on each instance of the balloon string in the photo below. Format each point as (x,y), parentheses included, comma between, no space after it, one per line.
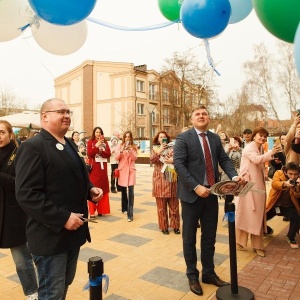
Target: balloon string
(118,27)
(209,58)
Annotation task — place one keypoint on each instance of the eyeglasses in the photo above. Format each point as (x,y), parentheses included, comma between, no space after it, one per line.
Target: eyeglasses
(61,112)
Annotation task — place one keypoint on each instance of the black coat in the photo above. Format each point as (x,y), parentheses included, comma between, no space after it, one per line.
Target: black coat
(12,217)
(50,184)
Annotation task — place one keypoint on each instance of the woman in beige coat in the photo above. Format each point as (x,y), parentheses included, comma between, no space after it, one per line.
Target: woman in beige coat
(251,209)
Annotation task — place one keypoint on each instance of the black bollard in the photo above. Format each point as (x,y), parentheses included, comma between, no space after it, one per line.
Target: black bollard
(233,291)
(95,270)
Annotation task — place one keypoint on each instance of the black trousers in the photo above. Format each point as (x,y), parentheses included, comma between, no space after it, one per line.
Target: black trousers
(292,214)
(205,209)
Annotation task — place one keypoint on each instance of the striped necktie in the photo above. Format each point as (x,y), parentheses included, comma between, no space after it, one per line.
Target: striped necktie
(210,174)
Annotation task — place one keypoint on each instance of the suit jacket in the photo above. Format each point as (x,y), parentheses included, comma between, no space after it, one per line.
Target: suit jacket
(189,162)
(50,184)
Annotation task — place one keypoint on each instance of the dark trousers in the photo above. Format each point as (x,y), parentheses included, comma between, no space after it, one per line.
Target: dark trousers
(205,209)
(128,200)
(114,181)
(292,214)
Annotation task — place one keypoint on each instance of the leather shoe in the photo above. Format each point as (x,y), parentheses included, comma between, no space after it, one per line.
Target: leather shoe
(195,287)
(215,281)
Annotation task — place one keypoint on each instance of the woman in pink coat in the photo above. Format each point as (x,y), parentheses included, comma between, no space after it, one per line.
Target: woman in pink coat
(251,209)
(126,154)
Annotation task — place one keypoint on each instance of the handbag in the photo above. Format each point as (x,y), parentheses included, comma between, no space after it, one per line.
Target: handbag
(116,173)
(271,171)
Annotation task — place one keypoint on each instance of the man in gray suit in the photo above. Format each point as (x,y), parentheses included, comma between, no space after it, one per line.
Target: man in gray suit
(191,160)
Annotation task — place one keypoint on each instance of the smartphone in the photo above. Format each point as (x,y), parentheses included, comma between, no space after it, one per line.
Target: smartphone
(164,140)
(231,141)
(276,141)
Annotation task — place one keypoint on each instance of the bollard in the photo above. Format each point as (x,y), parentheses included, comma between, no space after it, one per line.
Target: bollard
(233,291)
(95,270)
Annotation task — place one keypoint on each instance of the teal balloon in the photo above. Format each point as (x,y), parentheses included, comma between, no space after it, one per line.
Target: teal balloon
(170,9)
(297,49)
(205,18)
(240,9)
(279,17)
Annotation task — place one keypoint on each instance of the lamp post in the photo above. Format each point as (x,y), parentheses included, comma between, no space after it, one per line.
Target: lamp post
(150,108)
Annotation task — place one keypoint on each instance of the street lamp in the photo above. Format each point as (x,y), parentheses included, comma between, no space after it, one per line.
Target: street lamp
(150,108)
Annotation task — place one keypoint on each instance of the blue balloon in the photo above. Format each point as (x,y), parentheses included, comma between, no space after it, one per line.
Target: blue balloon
(297,49)
(205,18)
(62,12)
(240,9)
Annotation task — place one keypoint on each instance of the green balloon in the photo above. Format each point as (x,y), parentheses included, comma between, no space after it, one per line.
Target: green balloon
(279,17)
(170,9)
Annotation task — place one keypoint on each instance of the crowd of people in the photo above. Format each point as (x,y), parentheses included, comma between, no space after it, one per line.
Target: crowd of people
(57,185)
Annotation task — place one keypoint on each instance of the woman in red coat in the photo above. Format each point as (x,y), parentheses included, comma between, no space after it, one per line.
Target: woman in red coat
(126,154)
(98,152)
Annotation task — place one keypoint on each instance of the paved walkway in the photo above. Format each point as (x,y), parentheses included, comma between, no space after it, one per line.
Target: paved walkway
(144,264)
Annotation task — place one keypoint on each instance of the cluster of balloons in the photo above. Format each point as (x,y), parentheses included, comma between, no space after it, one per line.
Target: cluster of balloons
(59,27)
(205,18)
(208,18)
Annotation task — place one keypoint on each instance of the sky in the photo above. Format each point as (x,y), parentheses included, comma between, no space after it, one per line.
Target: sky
(28,70)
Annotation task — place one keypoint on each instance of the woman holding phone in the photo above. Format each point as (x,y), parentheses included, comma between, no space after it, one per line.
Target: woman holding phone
(98,152)
(126,154)
(165,183)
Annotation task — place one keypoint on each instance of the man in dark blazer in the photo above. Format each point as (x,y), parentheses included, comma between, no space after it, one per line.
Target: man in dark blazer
(52,187)
(196,201)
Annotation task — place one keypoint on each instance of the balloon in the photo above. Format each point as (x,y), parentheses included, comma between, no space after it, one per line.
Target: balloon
(205,18)
(63,12)
(170,9)
(279,17)
(297,49)
(61,40)
(13,15)
(240,9)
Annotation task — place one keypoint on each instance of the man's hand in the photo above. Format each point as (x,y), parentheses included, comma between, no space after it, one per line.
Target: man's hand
(96,194)
(240,179)
(202,191)
(74,222)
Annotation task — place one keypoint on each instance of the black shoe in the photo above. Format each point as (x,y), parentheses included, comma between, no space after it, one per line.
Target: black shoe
(195,287)
(176,231)
(165,231)
(215,281)
(269,232)
(114,191)
(285,219)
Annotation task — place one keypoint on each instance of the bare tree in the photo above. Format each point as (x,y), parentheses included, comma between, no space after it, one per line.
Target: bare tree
(9,102)
(194,85)
(260,74)
(287,76)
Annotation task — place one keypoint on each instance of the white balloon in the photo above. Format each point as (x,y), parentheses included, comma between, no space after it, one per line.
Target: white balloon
(13,15)
(60,40)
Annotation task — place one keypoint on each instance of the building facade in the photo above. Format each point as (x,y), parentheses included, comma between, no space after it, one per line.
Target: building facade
(121,96)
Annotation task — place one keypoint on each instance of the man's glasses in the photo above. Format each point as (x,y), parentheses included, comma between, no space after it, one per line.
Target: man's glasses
(61,112)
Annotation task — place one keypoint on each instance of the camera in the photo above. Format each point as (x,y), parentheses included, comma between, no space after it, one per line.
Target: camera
(293,182)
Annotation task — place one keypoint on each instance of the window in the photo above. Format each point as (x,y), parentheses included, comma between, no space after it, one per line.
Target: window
(153,131)
(154,117)
(166,114)
(141,132)
(152,95)
(165,95)
(140,109)
(140,86)
(175,96)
